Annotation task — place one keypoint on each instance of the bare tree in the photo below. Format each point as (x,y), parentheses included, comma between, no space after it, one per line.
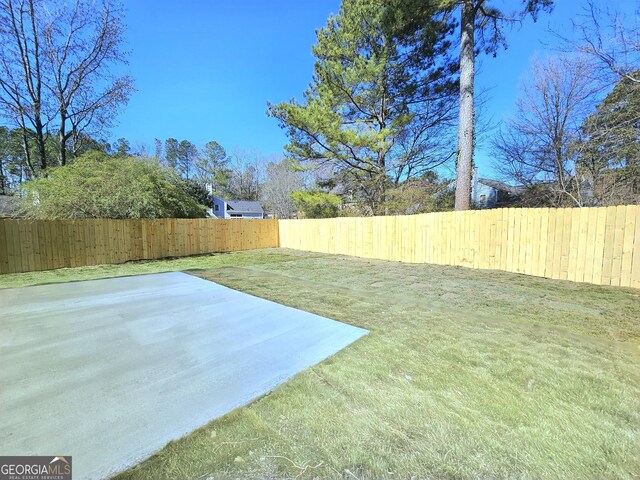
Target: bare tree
(536,147)
(247,171)
(607,35)
(83,43)
(21,78)
(57,62)
(282,178)
(609,147)
(609,38)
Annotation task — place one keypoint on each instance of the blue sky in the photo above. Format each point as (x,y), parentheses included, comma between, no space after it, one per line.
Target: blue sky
(204,70)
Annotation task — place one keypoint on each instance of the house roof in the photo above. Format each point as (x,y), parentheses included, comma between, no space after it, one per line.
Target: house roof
(498,185)
(8,206)
(245,206)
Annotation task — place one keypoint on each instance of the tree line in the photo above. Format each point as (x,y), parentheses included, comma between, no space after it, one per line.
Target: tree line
(392,100)
(390,107)
(574,139)
(178,179)
(58,80)
(390,89)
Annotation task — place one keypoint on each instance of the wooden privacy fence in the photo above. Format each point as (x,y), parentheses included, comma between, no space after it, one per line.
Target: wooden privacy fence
(31,245)
(595,245)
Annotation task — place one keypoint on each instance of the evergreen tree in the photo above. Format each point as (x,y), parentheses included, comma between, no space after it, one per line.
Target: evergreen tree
(187,157)
(171,153)
(374,108)
(212,167)
(122,148)
(609,153)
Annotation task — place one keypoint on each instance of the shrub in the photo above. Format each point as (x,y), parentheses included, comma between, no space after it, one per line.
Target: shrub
(316,204)
(96,186)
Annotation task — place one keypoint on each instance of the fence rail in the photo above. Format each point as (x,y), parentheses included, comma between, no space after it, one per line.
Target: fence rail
(594,245)
(31,245)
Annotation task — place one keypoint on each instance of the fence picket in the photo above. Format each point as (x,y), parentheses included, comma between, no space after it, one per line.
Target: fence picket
(27,245)
(594,245)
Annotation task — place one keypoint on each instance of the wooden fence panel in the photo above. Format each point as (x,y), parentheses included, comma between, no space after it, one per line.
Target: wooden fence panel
(593,245)
(32,245)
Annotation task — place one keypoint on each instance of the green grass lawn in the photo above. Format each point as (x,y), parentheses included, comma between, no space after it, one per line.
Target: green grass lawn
(465,374)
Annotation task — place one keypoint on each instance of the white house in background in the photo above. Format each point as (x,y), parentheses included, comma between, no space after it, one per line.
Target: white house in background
(236,208)
(488,193)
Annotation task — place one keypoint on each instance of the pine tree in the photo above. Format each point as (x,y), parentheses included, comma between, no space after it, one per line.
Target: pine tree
(375,111)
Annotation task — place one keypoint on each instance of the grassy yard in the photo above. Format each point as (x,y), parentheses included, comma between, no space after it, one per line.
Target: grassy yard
(465,374)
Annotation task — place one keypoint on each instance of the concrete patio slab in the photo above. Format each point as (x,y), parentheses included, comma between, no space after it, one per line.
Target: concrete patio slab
(109,371)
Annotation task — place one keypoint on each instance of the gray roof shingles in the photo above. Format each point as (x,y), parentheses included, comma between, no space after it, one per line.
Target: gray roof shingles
(245,206)
(498,185)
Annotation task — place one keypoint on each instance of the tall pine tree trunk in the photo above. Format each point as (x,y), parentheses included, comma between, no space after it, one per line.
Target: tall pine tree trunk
(466,122)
